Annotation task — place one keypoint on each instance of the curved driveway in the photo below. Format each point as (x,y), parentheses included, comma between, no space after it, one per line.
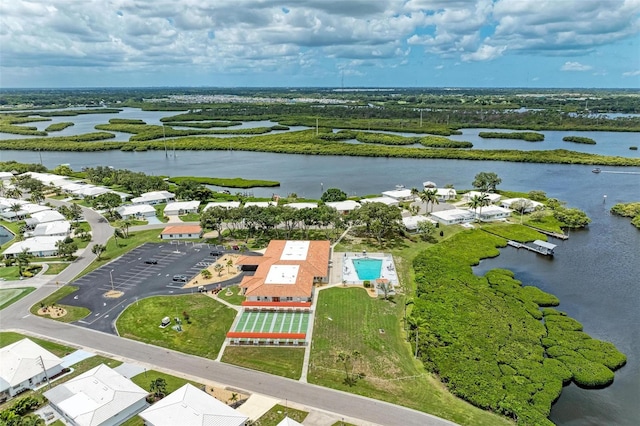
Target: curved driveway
(17,317)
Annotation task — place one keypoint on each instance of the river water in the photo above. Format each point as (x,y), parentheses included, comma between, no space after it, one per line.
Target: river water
(595,273)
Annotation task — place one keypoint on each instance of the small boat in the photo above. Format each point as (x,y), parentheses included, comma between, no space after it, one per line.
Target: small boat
(596,170)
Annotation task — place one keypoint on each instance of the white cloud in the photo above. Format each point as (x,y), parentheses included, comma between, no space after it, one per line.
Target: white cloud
(484,53)
(635,73)
(575,66)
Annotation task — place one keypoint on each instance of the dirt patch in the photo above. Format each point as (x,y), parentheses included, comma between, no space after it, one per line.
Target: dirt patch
(227,272)
(225,395)
(52,311)
(113,294)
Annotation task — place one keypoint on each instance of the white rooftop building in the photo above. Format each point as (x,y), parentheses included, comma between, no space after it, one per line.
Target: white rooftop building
(492,197)
(345,206)
(262,204)
(384,200)
(136,211)
(531,205)
(47,178)
(446,194)
(288,421)
(300,206)
(44,246)
(491,213)
(154,197)
(179,208)
(400,195)
(6,175)
(98,397)
(189,406)
(411,222)
(60,228)
(34,208)
(222,204)
(22,367)
(46,216)
(453,216)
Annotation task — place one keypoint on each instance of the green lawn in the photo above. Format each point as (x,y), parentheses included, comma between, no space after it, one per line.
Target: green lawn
(173,383)
(347,319)
(286,362)
(8,337)
(279,412)
(12,295)
(56,268)
(209,319)
(190,217)
(235,298)
(74,313)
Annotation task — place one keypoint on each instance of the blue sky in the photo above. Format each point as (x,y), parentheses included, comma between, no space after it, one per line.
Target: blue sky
(358,43)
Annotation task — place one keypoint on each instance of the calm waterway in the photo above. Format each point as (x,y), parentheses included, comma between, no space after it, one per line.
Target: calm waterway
(594,273)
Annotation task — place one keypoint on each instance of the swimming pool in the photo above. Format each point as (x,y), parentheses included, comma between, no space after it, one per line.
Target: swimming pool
(5,235)
(368,268)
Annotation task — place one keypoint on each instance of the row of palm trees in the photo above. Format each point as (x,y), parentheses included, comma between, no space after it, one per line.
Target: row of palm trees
(428,196)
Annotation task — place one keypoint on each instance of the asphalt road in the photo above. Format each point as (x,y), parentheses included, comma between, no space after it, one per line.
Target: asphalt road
(17,317)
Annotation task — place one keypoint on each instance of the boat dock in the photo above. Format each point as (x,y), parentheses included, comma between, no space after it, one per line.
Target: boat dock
(541,247)
(550,233)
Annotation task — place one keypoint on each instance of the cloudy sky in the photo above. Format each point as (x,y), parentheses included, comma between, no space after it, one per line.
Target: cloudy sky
(381,43)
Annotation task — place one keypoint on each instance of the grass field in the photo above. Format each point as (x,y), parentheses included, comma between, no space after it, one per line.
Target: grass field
(285,362)
(347,319)
(56,268)
(235,298)
(12,295)
(202,335)
(278,413)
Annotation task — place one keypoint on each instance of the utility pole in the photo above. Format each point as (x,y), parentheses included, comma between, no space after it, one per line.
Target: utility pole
(41,362)
(164,138)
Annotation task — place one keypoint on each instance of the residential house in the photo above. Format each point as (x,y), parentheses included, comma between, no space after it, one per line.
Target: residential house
(223,205)
(446,194)
(154,197)
(411,222)
(531,205)
(491,213)
(400,195)
(492,197)
(190,406)
(344,207)
(453,216)
(384,200)
(138,211)
(24,366)
(180,208)
(300,206)
(98,397)
(51,229)
(44,246)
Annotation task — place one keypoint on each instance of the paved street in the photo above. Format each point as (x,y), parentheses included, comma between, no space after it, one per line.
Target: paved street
(17,317)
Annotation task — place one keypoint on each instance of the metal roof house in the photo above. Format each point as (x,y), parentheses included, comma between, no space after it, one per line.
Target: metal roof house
(189,406)
(25,364)
(98,397)
(136,211)
(43,246)
(154,197)
(181,207)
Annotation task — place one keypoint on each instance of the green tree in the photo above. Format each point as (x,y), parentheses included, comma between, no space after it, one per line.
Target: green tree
(218,268)
(98,249)
(333,194)
(486,181)
(24,259)
(158,387)
(212,219)
(229,265)
(479,201)
(109,202)
(426,229)
(206,274)
(521,206)
(348,361)
(66,248)
(430,197)
(417,325)
(234,398)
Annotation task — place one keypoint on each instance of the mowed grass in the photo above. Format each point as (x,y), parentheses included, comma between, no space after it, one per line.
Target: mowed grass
(235,298)
(347,319)
(56,268)
(12,295)
(74,313)
(9,337)
(203,335)
(173,383)
(285,362)
(278,413)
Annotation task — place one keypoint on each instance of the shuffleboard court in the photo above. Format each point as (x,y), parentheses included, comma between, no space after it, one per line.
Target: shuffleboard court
(265,325)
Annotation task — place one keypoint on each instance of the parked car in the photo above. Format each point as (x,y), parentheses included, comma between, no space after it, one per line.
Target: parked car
(151,261)
(215,253)
(180,278)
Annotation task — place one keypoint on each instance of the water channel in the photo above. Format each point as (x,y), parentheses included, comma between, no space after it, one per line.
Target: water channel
(594,273)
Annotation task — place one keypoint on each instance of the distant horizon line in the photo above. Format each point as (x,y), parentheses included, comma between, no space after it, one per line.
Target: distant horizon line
(333,88)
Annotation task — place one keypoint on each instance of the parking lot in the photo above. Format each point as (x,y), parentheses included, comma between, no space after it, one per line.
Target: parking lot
(136,277)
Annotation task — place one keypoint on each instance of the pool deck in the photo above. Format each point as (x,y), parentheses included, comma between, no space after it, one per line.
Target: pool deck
(343,269)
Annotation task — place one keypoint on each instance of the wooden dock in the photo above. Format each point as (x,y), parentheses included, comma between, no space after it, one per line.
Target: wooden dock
(541,250)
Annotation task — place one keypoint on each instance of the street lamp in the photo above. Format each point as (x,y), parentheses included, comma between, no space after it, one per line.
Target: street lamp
(321,188)
(111,278)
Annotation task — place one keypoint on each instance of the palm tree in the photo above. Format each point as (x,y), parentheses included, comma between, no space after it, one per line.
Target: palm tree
(218,268)
(417,325)
(14,192)
(430,196)
(24,258)
(229,265)
(480,201)
(36,197)
(234,398)
(98,249)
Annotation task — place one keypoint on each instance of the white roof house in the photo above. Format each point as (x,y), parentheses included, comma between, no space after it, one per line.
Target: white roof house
(37,246)
(181,207)
(344,206)
(223,205)
(60,228)
(71,186)
(288,421)
(91,191)
(262,204)
(532,204)
(446,194)
(411,222)
(139,210)
(47,216)
(400,195)
(6,175)
(491,213)
(34,208)
(453,216)
(384,200)
(98,397)
(47,178)
(189,406)
(492,197)
(300,206)
(154,197)
(22,368)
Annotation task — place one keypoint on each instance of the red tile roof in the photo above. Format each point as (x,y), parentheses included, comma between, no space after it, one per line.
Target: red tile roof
(182,229)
